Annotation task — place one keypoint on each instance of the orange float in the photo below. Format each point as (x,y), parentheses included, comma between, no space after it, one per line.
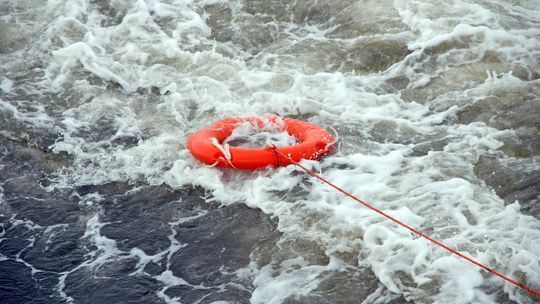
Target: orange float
(206,144)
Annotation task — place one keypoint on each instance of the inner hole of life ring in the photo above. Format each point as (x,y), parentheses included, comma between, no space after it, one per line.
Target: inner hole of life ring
(250,135)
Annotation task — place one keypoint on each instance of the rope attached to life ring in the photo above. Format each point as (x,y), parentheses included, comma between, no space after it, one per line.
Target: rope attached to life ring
(224,149)
(270,145)
(408,227)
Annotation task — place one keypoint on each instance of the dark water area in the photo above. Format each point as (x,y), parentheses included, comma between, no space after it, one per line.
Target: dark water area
(46,237)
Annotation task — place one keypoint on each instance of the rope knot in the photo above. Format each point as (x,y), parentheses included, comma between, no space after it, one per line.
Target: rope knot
(275,152)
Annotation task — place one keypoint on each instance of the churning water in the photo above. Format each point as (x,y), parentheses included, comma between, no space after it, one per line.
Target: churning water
(437,104)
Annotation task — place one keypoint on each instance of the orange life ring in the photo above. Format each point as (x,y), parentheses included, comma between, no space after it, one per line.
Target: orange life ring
(313,142)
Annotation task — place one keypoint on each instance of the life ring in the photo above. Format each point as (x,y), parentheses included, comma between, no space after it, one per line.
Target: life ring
(204,145)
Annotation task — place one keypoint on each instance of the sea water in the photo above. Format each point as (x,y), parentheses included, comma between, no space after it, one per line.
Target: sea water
(436,103)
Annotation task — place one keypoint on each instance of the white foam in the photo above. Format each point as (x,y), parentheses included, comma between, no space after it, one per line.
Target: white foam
(6,84)
(82,53)
(295,277)
(36,115)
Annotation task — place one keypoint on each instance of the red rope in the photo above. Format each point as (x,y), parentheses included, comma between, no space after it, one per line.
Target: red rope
(529,289)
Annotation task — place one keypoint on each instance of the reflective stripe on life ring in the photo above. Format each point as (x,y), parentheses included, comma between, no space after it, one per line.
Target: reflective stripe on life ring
(313,142)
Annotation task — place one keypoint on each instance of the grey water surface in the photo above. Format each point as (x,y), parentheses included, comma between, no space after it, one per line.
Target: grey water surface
(100,202)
